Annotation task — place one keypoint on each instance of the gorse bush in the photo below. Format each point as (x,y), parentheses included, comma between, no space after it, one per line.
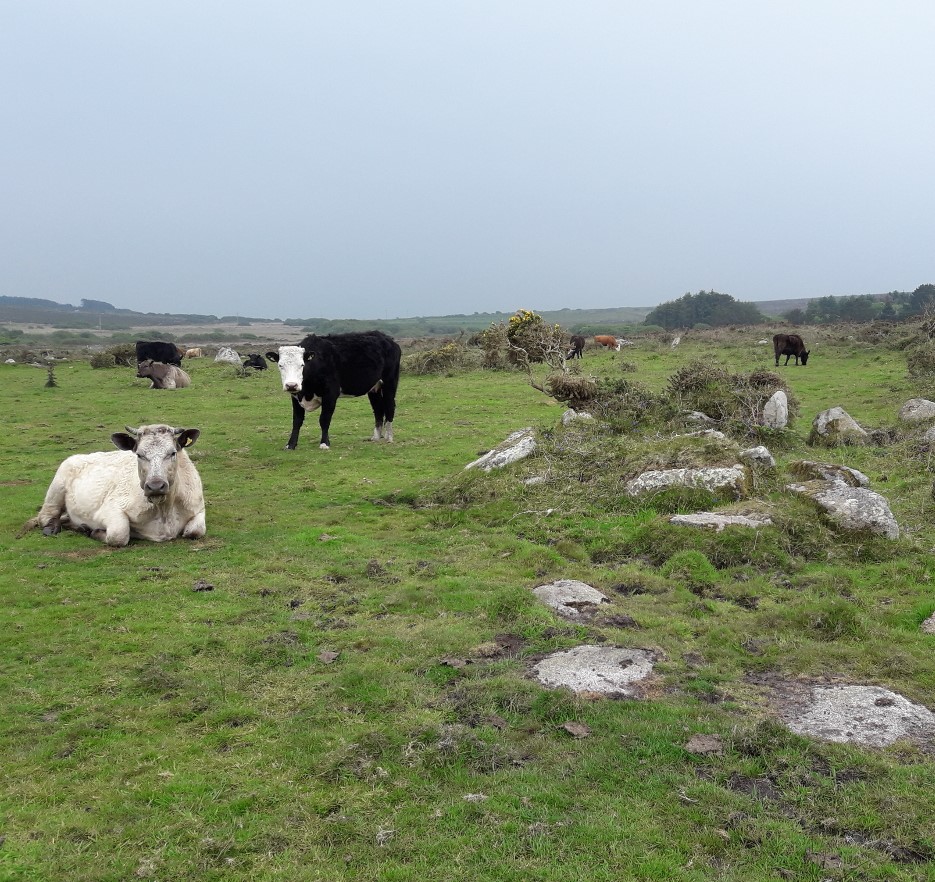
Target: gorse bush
(725,396)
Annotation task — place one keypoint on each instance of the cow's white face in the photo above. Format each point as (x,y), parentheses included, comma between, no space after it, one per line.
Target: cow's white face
(156,448)
(291,362)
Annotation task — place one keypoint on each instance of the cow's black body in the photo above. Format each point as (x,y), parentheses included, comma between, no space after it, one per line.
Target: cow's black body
(789,345)
(577,346)
(167,353)
(256,361)
(347,364)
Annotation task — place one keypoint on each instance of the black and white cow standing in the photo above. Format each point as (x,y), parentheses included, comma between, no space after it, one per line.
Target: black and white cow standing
(321,369)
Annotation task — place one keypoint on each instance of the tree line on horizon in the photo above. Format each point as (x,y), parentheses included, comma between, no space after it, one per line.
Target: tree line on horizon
(710,309)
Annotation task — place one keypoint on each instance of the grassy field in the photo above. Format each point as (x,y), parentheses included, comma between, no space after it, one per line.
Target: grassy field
(353,698)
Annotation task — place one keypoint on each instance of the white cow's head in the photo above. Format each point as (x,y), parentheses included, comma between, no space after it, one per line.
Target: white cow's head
(291,360)
(156,448)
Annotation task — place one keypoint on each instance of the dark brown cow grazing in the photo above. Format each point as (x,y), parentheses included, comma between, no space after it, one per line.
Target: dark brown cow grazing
(577,346)
(789,345)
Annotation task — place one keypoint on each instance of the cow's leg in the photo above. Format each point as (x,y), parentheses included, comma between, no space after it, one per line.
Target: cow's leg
(327,411)
(379,413)
(298,417)
(53,507)
(390,385)
(195,528)
(116,529)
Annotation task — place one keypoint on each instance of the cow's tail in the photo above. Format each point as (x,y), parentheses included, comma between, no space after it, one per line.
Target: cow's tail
(31,524)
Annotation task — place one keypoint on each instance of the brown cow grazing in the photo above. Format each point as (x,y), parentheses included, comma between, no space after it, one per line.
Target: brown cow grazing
(194,353)
(607,340)
(163,376)
(577,346)
(789,345)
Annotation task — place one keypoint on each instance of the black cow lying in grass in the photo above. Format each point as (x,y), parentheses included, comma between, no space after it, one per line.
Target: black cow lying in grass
(321,369)
(256,361)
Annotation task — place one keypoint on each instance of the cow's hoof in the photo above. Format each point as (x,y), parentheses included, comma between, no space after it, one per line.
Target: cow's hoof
(289,447)
(323,447)
(52,529)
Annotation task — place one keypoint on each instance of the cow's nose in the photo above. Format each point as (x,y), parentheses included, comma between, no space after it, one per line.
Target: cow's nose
(156,487)
(292,387)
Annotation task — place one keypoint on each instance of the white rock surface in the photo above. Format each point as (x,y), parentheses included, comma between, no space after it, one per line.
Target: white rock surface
(228,356)
(571,415)
(776,411)
(603,669)
(837,426)
(851,508)
(719,521)
(715,479)
(515,447)
(809,470)
(758,456)
(564,595)
(868,715)
(917,410)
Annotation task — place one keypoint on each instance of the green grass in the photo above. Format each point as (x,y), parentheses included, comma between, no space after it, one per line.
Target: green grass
(151,731)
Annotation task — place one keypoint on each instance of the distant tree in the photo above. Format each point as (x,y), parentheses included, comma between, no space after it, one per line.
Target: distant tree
(97,306)
(708,307)
(795,316)
(919,301)
(888,314)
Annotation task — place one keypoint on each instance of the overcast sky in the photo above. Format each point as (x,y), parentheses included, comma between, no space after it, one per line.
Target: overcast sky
(385,159)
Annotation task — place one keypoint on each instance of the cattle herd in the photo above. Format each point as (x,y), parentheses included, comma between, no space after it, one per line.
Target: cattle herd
(149,488)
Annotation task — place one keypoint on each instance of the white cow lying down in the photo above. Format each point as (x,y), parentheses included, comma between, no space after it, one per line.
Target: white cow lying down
(148,489)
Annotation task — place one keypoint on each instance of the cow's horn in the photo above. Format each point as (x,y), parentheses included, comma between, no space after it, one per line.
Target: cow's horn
(132,431)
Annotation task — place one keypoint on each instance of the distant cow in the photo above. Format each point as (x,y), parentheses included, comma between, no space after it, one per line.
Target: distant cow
(256,361)
(147,489)
(163,376)
(607,340)
(167,353)
(789,345)
(194,353)
(577,346)
(320,369)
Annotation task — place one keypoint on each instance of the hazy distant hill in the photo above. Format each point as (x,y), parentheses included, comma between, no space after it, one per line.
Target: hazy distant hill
(102,315)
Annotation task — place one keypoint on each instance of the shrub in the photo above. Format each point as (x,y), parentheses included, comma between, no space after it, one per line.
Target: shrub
(122,355)
(450,356)
(727,397)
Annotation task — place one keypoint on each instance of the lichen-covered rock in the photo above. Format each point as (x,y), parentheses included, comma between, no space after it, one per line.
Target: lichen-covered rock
(571,415)
(867,715)
(758,456)
(696,416)
(851,508)
(808,470)
(776,411)
(834,427)
(928,626)
(730,480)
(227,355)
(603,669)
(713,434)
(719,521)
(917,410)
(513,448)
(566,596)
